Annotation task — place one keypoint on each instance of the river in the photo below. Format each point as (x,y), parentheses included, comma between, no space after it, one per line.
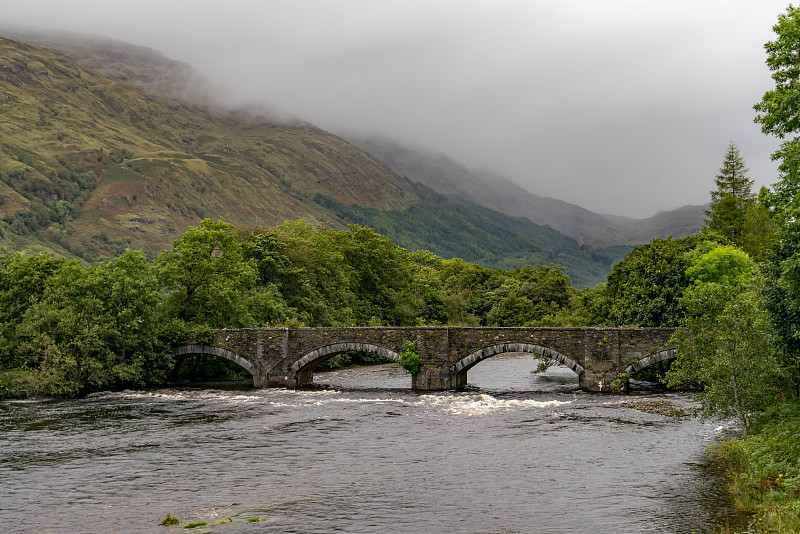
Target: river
(360,452)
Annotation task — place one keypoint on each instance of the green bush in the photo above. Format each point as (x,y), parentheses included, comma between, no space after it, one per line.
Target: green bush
(410,360)
(620,384)
(764,469)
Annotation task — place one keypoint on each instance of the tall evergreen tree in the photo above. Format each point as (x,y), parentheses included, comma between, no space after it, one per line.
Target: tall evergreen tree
(732,199)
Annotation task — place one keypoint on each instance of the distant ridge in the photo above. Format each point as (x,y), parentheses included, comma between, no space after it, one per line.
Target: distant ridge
(151,71)
(138,66)
(459,183)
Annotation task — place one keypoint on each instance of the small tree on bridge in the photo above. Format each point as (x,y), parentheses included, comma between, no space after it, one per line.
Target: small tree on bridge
(410,360)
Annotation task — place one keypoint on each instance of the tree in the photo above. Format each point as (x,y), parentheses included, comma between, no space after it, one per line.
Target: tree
(92,328)
(779,115)
(381,277)
(208,279)
(320,287)
(761,235)
(528,295)
(732,199)
(23,282)
(727,349)
(720,264)
(729,354)
(778,111)
(645,287)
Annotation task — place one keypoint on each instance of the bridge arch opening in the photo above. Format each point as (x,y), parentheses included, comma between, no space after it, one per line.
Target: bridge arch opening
(183,352)
(650,359)
(304,367)
(460,368)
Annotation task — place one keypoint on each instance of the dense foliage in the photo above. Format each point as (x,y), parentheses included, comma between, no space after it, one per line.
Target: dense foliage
(735,291)
(778,115)
(645,287)
(67,329)
(727,349)
(763,469)
(741,345)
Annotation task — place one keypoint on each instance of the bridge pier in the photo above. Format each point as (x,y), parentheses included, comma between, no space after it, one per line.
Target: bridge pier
(590,381)
(433,380)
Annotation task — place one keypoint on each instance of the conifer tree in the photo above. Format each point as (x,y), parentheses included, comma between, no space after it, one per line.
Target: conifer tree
(732,199)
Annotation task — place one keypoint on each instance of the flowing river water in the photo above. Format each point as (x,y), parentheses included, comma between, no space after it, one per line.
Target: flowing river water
(515,452)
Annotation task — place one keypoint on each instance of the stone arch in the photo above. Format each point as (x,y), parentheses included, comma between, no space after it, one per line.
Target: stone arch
(185,350)
(465,363)
(650,359)
(316,356)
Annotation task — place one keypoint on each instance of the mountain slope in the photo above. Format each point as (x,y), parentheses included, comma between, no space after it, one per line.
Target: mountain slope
(461,184)
(151,71)
(476,234)
(125,167)
(123,62)
(89,166)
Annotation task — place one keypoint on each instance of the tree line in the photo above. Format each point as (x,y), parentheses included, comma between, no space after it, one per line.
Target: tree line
(68,329)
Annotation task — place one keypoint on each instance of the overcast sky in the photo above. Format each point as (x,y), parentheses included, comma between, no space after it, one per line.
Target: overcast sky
(620,106)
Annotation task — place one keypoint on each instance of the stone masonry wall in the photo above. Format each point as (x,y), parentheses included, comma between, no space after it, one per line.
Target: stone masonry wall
(600,353)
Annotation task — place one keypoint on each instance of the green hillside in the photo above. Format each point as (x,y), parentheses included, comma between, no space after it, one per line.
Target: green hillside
(95,166)
(90,166)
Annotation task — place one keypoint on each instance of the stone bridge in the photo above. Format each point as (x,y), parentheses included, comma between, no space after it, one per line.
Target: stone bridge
(286,357)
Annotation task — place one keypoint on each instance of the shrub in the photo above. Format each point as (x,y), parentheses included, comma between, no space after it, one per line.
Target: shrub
(410,360)
(620,384)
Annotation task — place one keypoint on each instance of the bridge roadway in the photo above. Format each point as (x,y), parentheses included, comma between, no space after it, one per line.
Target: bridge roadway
(286,357)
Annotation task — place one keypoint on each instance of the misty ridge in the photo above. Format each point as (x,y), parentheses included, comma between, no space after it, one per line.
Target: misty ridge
(621,108)
(323,179)
(150,70)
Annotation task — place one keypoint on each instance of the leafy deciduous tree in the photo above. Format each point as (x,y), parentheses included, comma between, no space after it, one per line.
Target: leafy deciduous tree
(779,115)
(91,328)
(727,349)
(209,280)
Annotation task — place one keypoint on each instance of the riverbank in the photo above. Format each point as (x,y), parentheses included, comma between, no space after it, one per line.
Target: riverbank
(764,470)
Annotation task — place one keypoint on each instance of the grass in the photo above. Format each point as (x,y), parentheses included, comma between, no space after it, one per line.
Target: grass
(764,470)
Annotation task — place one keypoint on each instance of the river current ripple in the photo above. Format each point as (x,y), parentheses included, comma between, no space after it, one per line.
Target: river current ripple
(515,452)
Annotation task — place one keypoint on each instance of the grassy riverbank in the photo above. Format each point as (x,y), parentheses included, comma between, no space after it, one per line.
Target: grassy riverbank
(764,470)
